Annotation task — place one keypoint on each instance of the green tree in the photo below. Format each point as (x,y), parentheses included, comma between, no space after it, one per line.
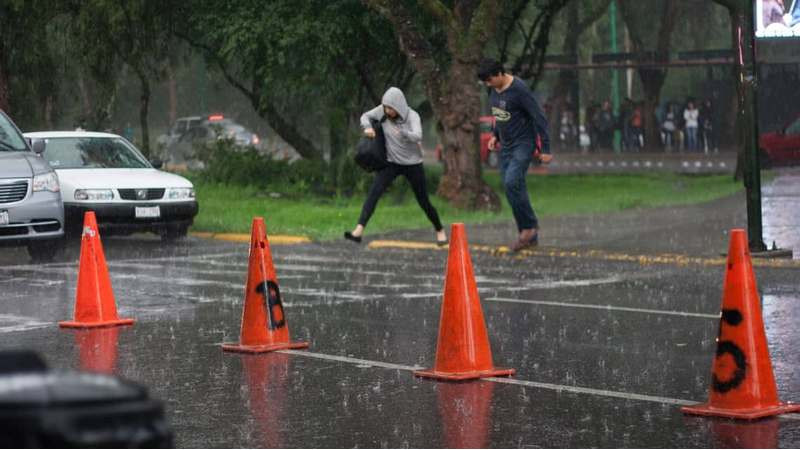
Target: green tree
(304,66)
(28,68)
(135,32)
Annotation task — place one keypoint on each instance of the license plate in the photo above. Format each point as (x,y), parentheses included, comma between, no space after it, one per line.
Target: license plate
(147,212)
(3,217)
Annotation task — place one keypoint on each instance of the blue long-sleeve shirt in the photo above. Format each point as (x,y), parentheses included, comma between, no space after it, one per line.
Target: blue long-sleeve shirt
(518,116)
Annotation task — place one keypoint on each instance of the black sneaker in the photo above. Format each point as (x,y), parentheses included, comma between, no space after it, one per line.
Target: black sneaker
(349,236)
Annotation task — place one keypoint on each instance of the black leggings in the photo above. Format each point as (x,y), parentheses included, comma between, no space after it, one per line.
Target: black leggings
(383,179)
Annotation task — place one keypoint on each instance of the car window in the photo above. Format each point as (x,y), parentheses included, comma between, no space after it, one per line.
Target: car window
(93,152)
(10,139)
(794,127)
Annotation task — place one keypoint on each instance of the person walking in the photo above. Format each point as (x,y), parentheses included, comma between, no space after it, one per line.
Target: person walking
(519,121)
(402,130)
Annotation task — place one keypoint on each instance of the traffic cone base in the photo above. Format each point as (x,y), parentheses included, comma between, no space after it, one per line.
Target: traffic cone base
(105,323)
(462,348)
(495,372)
(746,414)
(236,348)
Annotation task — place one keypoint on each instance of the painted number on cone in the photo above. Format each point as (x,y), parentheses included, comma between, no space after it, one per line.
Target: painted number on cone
(272,303)
(732,360)
(147,212)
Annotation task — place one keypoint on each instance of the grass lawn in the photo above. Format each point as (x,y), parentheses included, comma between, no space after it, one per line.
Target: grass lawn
(227,208)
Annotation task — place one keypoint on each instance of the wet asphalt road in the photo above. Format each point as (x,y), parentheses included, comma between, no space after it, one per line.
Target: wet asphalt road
(606,349)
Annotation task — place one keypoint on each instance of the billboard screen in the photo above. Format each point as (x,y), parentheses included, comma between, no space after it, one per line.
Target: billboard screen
(777,18)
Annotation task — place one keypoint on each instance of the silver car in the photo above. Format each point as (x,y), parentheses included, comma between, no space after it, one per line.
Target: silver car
(31,212)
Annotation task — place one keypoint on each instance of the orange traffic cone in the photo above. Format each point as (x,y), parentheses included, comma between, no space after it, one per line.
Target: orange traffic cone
(462,351)
(742,386)
(264,327)
(94,304)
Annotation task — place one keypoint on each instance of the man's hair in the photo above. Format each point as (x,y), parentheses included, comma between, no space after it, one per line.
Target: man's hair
(489,68)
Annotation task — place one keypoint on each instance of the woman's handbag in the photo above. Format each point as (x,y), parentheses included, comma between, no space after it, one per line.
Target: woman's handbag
(371,152)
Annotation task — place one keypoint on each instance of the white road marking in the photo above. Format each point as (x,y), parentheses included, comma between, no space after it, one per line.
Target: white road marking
(604,307)
(534,384)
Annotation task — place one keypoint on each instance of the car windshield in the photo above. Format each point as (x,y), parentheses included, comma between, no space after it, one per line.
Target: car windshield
(93,152)
(10,139)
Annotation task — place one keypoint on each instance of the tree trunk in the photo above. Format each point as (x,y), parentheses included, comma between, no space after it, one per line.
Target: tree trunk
(173,95)
(144,106)
(457,105)
(49,101)
(5,104)
(652,81)
(567,79)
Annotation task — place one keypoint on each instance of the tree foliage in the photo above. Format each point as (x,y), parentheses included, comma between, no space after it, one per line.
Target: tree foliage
(303,65)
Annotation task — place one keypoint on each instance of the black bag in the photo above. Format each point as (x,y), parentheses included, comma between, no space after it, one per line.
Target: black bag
(371,152)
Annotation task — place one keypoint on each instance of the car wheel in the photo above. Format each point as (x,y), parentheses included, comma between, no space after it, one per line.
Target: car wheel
(46,250)
(493,160)
(170,234)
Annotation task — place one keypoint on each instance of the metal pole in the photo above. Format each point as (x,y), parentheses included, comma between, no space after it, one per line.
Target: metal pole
(747,71)
(612,13)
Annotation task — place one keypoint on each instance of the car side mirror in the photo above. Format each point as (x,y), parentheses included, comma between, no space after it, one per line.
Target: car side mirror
(156,163)
(38,146)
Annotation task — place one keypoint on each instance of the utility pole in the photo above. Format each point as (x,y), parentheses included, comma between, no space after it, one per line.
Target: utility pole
(612,17)
(747,72)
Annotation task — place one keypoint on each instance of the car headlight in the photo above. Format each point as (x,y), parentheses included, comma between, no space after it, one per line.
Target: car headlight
(94,194)
(180,193)
(46,182)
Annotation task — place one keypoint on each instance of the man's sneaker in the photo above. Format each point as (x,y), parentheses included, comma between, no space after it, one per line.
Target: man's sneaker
(527,238)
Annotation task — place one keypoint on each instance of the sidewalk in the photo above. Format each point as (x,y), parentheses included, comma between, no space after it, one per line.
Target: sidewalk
(576,162)
(694,230)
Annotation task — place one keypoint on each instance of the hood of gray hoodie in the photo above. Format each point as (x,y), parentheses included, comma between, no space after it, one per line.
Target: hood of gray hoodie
(394,98)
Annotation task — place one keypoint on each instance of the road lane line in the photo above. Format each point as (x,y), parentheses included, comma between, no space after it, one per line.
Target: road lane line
(535,384)
(349,360)
(603,307)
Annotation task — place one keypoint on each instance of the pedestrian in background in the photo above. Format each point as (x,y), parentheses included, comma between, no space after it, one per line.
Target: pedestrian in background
(708,141)
(402,130)
(519,121)
(691,116)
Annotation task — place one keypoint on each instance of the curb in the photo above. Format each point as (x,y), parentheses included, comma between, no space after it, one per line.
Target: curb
(279,239)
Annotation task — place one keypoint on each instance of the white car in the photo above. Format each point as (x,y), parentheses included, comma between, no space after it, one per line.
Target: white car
(105,173)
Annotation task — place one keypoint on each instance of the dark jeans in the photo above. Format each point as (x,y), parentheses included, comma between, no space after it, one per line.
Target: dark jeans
(383,179)
(514,163)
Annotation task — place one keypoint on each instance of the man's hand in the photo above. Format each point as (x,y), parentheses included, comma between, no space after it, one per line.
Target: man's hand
(545,158)
(492,144)
(370,133)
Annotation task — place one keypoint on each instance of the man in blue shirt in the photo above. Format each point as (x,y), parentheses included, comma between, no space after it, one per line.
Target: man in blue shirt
(519,126)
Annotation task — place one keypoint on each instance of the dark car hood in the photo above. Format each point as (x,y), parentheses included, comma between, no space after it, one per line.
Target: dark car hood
(21,165)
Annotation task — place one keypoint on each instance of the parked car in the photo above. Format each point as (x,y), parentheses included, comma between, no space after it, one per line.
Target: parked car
(208,129)
(105,173)
(178,129)
(31,213)
(781,147)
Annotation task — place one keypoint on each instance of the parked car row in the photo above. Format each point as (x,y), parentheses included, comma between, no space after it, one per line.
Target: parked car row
(49,179)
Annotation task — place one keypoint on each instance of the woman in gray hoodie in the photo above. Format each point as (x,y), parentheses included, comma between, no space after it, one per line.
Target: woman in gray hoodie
(402,130)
